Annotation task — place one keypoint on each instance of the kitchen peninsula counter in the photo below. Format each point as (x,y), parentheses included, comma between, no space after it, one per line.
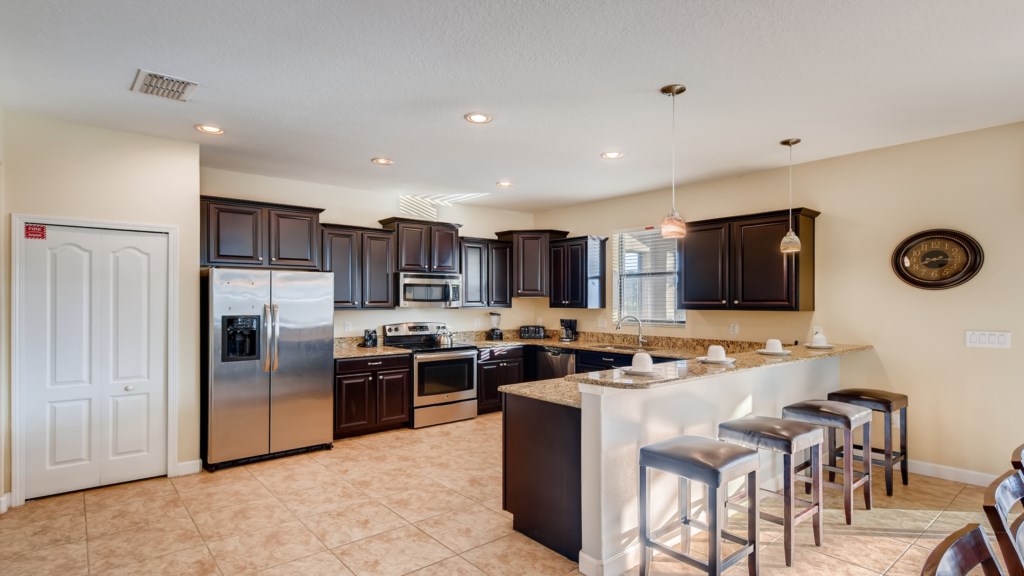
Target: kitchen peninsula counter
(610,415)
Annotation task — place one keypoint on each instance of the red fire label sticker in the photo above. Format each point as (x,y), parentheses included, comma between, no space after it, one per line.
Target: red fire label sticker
(35,231)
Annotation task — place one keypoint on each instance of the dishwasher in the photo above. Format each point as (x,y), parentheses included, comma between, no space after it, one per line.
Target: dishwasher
(552,362)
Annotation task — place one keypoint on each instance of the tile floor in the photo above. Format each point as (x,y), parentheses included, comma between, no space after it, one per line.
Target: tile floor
(425,502)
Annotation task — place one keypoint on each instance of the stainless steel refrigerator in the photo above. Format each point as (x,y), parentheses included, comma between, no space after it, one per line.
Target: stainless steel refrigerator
(267,362)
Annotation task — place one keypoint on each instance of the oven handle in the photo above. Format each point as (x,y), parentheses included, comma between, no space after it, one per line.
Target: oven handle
(440,356)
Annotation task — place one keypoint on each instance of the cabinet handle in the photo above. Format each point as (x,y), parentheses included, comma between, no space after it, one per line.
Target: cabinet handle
(735,301)
(129,388)
(273,259)
(374,363)
(608,359)
(724,302)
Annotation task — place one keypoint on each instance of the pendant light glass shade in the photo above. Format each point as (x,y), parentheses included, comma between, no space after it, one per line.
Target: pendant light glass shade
(790,242)
(673,226)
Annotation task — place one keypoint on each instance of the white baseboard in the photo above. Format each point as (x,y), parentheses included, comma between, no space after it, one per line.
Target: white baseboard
(188,467)
(618,564)
(5,502)
(950,473)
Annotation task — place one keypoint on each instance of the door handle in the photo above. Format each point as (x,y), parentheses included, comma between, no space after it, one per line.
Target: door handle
(374,363)
(277,336)
(267,338)
(129,388)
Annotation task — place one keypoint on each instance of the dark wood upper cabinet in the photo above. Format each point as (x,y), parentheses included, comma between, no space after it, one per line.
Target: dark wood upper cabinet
(244,233)
(578,273)
(486,273)
(735,263)
(425,246)
(530,253)
(362,260)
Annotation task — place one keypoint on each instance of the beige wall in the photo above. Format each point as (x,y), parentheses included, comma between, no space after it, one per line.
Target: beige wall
(59,169)
(360,208)
(964,401)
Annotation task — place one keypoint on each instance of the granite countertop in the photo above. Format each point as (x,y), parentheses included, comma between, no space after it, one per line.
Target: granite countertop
(344,349)
(558,390)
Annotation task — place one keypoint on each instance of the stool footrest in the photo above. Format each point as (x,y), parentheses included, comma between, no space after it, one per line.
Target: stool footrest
(897,456)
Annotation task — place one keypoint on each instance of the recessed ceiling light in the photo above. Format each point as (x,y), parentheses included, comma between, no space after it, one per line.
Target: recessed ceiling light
(478,118)
(207,129)
(503,184)
(381,161)
(612,155)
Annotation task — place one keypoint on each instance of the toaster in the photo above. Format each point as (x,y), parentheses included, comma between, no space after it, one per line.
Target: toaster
(531,332)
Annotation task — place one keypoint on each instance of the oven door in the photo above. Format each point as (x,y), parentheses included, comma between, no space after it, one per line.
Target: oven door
(443,377)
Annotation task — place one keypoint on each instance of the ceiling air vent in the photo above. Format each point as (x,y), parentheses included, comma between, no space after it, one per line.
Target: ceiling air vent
(163,86)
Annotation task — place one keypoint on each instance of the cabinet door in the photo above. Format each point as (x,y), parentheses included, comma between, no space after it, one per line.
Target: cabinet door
(354,402)
(444,249)
(512,373)
(531,272)
(559,279)
(705,267)
(378,270)
(474,274)
(499,278)
(576,274)
(393,396)
(763,277)
(413,247)
(341,254)
(489,376)
(293,238)
(234,234)
(582,368)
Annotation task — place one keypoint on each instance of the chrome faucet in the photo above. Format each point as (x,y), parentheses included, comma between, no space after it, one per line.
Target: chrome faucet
(639,329)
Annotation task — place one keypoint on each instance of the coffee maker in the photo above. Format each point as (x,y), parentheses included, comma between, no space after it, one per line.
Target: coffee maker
(568,330)
(495,333)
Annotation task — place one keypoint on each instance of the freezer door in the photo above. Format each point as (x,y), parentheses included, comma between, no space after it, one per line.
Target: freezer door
(237,415)
(302,371)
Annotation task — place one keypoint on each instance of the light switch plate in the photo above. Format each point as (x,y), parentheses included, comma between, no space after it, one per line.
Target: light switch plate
(734,328)
(986,339)
(602,323)
(347,326)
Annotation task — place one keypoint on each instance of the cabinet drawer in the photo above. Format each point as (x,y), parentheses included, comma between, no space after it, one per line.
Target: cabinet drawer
(371,364)
(500,353)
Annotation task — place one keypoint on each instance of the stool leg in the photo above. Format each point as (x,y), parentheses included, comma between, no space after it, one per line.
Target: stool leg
(904,465)
(831,438)
(716,515)
(887,429)
(787,505)
(753,533)
(867,465)
(816,499)
(645,533)
(847,473)
(684,513)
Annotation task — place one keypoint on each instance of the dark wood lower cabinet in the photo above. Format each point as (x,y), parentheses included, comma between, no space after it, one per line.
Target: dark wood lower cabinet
(496,367)
(541,472)
(371,394)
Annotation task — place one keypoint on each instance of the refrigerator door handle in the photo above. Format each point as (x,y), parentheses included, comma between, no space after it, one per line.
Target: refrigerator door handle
(266,331)
(277,336)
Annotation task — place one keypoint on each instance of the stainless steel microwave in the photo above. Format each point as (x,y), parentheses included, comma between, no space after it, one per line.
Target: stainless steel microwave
(420,290)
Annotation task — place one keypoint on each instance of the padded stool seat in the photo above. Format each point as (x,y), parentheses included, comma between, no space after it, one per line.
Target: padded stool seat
(846,417)
(712,463)
(887,403)
(786,437)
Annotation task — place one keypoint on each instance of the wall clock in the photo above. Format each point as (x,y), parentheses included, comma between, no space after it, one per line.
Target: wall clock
(937,259)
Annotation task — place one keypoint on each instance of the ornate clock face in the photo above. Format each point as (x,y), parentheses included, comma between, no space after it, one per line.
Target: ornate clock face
(936,259)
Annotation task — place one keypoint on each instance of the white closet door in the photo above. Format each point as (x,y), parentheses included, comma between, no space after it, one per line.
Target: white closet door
(94,368)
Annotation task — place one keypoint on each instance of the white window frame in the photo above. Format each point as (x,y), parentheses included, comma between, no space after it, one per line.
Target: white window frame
(617,255)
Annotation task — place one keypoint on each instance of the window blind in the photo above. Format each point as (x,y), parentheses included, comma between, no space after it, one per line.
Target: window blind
(645,270)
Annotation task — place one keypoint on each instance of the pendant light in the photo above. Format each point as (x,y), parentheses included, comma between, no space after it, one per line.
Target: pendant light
(673,226)
(790,242)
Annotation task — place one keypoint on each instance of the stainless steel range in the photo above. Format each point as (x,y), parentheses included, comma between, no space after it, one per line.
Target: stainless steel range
(443,376)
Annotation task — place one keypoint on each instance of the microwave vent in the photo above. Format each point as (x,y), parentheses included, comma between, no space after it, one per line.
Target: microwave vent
(163,86)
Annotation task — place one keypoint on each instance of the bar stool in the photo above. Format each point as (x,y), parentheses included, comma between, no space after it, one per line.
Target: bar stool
(1015,458)
(712,463)
(887,403)
(847,417)
(786,437)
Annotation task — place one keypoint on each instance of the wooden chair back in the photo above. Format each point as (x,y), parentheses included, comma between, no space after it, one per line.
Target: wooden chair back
(960,552)
(1015,458)
(1000,498)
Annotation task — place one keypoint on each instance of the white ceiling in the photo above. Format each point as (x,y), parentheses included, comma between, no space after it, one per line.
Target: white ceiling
(311,90)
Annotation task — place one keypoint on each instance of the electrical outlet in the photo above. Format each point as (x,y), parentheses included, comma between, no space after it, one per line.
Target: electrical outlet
(734,328)
(347,326)
(477,323)
(980,339)
(816,330)
(602,323)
